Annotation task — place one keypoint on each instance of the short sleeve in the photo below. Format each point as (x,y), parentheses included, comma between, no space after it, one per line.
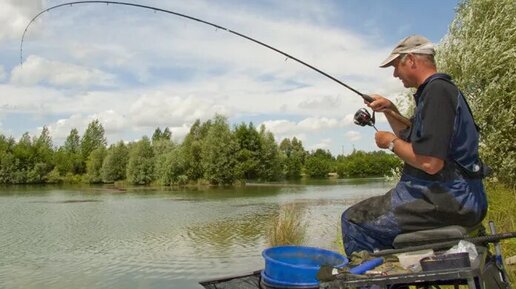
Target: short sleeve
(439,101)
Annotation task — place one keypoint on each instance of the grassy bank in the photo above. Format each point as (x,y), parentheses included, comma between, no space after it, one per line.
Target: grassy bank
(501,211)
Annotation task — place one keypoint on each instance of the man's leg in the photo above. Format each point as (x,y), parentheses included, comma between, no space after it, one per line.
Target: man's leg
(369,225)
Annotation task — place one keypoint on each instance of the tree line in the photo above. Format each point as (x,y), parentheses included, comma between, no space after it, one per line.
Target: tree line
(211,153)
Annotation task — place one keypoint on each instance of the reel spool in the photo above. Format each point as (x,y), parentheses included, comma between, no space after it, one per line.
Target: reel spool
(363,117)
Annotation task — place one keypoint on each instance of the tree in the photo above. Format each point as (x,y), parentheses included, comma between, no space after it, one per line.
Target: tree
(248,155)
(92,139)
(192,149)
(73,142)
(479,52)
(270,166)
(9,172)
(361,164)
(94,165)
(42,157)
(162,142)
(156,135)
(140,166)
(218,155)
(171,168)
(23,152)
(114,166)
(319,164)
(294,157)
(68,157)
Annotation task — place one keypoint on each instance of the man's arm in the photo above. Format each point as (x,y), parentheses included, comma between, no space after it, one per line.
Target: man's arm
(381,104)
(404,150)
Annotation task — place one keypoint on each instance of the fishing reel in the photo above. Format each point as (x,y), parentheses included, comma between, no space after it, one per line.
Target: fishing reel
(363,117)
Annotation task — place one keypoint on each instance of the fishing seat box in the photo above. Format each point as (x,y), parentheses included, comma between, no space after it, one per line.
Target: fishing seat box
(431,236)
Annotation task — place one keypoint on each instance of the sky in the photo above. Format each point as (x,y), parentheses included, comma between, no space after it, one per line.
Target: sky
(136,69)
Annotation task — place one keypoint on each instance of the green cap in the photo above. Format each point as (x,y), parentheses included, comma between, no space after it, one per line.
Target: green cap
(412,44)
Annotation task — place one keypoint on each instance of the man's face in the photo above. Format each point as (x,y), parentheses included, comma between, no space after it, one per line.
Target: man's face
(402,70)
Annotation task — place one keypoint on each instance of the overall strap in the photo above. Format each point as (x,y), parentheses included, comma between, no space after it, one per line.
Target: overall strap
(448,79)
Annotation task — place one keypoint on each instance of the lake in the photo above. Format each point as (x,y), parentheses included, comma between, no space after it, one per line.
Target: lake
(102,237)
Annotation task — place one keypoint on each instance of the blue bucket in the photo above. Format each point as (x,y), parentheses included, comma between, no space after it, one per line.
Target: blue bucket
(297,266)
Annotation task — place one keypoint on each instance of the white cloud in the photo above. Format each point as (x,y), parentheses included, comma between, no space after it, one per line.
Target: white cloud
(353,135)
(321,102)
(60,129)
(40,70)
(162,109)
(322,144)
(315,124)
(179,132)
(15,15)
(113,123)
(286,128)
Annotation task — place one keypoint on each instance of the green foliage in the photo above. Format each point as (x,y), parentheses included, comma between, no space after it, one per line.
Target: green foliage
(192,146)
(295,155)
(54,177)
(367,164)
(219,151)
(73,142)
(211,152)
(92,139)
(23,153)
(159,135)
(94,165)
(318,164)
(270,167)
(140,167)
(114,166)
(71,158)
(8,162)
(43,148)
(248,156)
(501,211)
(171,168)
(480,54)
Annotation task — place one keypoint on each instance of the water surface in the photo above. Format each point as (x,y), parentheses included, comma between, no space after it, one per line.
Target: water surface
(101,237)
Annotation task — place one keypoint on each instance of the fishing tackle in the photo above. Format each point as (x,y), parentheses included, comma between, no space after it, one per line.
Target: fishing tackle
(366,97)
(363,117)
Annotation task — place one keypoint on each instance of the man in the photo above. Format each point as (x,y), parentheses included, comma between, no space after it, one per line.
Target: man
(441,181)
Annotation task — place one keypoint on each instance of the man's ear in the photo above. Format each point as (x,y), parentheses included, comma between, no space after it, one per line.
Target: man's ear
(411,60)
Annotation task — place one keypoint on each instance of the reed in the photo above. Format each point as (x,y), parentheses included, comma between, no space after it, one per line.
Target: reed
(287,228)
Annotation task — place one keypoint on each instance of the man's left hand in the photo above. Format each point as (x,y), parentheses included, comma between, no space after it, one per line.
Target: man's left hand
(383,138)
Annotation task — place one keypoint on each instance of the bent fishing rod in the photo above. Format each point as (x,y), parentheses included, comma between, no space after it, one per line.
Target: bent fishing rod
(366,97)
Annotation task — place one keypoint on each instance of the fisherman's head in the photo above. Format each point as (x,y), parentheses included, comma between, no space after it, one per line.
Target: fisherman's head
(412,59)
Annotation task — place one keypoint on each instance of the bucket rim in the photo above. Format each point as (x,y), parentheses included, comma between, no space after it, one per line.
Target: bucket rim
(344,262)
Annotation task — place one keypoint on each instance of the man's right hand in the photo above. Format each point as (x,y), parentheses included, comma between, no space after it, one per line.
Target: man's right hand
(380,103)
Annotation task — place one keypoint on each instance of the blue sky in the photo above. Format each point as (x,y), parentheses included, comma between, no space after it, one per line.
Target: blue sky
(136,70)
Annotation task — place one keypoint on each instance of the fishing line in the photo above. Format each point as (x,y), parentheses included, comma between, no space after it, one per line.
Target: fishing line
(366,97)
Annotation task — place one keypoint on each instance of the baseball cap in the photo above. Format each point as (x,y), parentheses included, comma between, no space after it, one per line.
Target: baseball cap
(411,44)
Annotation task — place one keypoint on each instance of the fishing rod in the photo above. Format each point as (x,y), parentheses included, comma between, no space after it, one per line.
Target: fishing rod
(366,97)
